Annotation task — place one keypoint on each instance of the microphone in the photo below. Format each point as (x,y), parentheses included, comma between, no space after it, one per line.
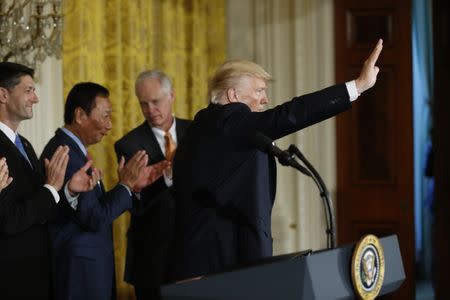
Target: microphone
(265,144)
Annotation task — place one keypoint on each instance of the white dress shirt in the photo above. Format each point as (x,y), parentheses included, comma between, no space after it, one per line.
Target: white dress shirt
(159,134)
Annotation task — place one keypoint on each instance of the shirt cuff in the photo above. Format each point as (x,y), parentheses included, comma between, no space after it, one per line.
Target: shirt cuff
(73,200)
(352,91)
(53,191)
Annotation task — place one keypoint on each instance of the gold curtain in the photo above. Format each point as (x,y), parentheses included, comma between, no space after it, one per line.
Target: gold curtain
(111,41)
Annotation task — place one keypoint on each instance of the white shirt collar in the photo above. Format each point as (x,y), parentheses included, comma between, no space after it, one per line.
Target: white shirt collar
(8,132)
(159,133)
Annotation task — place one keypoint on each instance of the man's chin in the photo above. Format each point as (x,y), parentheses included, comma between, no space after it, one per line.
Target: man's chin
(98,140)
(28,116)
(155,123)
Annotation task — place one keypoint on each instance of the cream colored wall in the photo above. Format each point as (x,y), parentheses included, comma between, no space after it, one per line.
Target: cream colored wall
(48,113)
(293,40)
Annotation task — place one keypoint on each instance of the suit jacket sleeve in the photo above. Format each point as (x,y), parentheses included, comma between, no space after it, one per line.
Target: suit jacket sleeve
(96,208)
(288,117)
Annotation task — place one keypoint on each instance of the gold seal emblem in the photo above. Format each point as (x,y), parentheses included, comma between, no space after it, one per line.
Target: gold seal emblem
(368,267)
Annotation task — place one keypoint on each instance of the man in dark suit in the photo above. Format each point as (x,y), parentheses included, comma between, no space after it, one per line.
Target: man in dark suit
(224,185)
(151,229)
(31,199)
(82,244)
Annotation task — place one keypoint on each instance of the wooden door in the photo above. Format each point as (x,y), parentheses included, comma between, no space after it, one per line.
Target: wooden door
(375,138)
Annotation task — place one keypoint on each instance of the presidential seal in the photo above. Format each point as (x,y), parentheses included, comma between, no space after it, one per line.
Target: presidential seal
(368,267)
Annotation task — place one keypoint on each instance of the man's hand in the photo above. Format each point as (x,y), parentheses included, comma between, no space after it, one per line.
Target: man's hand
(368,75)
(150,174)
(81,181)
(130,172)
(55,169)
(5,180)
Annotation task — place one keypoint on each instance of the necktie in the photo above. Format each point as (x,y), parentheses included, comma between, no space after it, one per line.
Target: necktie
(170,146)
(19,145)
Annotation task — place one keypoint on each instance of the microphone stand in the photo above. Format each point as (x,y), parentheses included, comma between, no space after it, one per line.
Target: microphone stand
(324,194)
(286,158)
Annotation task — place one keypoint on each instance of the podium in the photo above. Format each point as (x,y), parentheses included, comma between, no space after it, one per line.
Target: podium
(324,274)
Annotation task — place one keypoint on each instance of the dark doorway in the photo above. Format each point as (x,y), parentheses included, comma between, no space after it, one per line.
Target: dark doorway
(375,191)
(441,142)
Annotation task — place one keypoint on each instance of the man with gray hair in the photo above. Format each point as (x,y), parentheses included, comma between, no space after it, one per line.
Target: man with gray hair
(151,229)
(224,185)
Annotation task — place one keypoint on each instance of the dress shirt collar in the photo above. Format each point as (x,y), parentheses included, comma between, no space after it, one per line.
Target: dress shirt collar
(8,132)
(75,139)
(159,133)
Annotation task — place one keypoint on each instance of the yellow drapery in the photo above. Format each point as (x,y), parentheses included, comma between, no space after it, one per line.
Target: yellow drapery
(111,41)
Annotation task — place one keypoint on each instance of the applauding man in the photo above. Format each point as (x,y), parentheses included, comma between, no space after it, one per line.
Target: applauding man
(82,241)
(31,198)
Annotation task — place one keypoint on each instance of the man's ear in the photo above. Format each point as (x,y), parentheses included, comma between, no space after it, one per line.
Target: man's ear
(79,115)
(3,95)
(231,95)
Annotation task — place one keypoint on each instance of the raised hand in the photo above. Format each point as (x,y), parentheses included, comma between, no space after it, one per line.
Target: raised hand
(150,174)
(55,168)
(5,180)
(130,172)
(369,71)
(81,181)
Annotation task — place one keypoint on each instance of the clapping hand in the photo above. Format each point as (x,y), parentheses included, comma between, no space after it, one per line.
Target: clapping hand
(5,180)
(55,168)
(81,181)
(150,174)
(130,172)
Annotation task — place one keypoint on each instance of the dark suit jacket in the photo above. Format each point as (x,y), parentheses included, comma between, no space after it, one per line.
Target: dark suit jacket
(151,227)
(25,207)
(82,244)
(225,187)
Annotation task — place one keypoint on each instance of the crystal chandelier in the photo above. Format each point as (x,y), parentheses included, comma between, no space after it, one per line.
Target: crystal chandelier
(30,30)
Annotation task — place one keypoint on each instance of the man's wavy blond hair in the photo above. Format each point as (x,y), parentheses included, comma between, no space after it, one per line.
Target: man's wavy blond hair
(229,74)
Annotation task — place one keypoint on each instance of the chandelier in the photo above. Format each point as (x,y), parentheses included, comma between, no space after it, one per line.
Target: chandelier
(30,30)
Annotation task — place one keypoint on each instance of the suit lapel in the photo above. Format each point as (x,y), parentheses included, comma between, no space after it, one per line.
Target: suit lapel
(67,140)
(148,142)
(6,142)
(19,166)
(9,147)
(30,153)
